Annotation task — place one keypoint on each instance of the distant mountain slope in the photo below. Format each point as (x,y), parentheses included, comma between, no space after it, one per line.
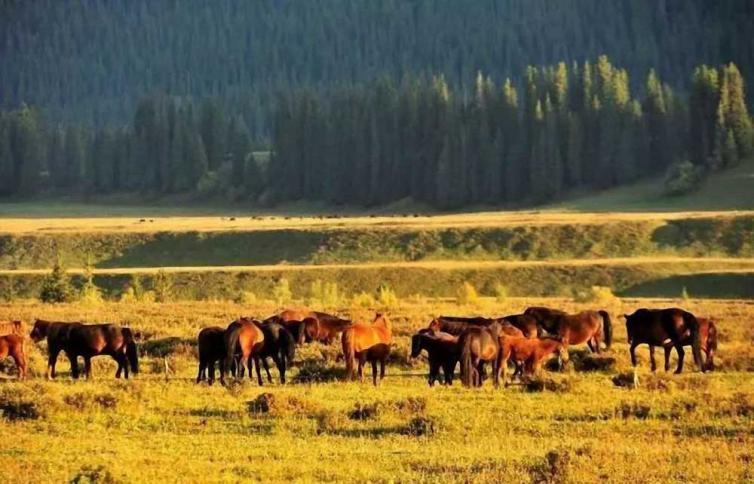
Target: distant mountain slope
(91,60)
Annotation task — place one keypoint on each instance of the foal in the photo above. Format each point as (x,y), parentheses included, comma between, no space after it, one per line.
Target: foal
(13,345)
(530,351)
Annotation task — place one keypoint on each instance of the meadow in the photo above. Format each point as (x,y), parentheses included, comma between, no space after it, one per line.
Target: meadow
(580,427)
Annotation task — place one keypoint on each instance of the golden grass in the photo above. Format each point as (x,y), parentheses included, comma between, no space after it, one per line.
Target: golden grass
(17,223)
(695,428)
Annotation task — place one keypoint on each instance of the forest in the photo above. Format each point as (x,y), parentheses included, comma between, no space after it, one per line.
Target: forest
(566,127)
(364,103)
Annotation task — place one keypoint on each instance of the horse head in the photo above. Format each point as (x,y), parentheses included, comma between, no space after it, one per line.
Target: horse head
(39,331)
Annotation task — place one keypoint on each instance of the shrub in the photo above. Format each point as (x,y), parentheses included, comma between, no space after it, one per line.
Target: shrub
(22,403)
(365,411)
(553,469)
(90,294)
(282,291)
(93,475)
(56,287)
(162,286)
(637,410)
(245,297)
(682,178)
(626,380)
(363,300)
(595,295)
(420,426)
(466,294)
(330,422)
(280,405)
(85,401)
(324,294)
(313,371)
(539,384)
(501,292)
(386,297)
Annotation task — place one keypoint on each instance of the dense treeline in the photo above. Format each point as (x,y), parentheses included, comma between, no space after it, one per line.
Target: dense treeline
(90,61)
(566,127)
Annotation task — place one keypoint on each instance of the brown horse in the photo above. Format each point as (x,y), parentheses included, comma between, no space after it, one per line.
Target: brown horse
(13,345)
(307,325)
(708,335)
(672,327)
(478,345)
(456,326)
(211,344)
(243,338)
(442,350)
(590,327)
(87,340)
(360,337)
(529,351)
(11,327)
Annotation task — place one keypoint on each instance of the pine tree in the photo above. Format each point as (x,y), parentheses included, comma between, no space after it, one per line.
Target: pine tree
(56,287)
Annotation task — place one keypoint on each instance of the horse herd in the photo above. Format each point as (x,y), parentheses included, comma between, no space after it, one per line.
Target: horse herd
(523,340)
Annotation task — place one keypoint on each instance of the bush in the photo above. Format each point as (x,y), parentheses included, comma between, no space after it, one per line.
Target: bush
(466,294)
(365,411)
(625,380)
(90,294)
(280,405)
(501,292)
(363,300)
(324,294)
(56,287)
(282,291)
(682,178)
(420,426)
(23,403)
(330,422)
(93,475)
(596,295)
(386,297)
(539,384)
(162,286)
(86,401)
(245,297)
(553,469)
(636,410)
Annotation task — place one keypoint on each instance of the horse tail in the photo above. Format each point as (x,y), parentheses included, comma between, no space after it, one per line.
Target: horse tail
(132,353)
(607,328)
(348,351)
(696,337)
(288,345)
(231,341)
(467,365)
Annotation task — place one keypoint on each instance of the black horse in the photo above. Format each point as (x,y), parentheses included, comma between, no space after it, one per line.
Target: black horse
(87,340)
(671,327)
(443,351)
(280,345)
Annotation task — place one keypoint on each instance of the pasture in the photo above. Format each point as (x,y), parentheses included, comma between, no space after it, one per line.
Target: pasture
(580,427)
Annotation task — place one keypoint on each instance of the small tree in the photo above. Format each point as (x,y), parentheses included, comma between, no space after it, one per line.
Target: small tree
(163,286)
(467,294)
(282,291)
(682,178)
(56,287)
(501,292)
(386,297)
(90,293)
(134,291)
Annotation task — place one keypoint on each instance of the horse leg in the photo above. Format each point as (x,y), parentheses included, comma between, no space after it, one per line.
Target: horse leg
(362,362)
(679,349)
(210,365)
(374,372)
(51,360)
(652,363)
(433,372)
(383,361)
(632,351)
(667,358)
(202,369)
(266,369)
(88,367)
(123,363)
(73,359)
(255,360)
(280,363)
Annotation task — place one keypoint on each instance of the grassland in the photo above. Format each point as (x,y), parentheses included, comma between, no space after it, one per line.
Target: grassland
(694,428)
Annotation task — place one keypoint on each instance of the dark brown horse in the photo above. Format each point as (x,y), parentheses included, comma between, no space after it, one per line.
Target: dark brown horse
(278,345)
(590,327)
(244,341)
(87,340)
(671,327)
(456,326)
(307,325)
(211,344)
(708,335)
(478,345)
(443,352)
(13,345)
(529,351)
(360,337)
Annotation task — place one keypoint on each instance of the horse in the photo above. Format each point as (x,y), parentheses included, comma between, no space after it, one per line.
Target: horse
(478,345)
(442,349)
(360,337)
(13,345)
(11,327)
(526,324)
(312,325)
(378,353)
(278,345)
(242,336)
(590,327)
(211,344)
(456,325)
(708,335)
(87,340)
(530,351)
(672,327)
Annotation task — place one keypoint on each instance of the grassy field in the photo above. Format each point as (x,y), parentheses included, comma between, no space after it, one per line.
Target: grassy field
(694,428)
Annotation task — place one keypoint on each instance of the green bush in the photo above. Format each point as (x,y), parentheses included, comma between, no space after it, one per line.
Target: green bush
(56,287)
(466,294)
(682,178)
